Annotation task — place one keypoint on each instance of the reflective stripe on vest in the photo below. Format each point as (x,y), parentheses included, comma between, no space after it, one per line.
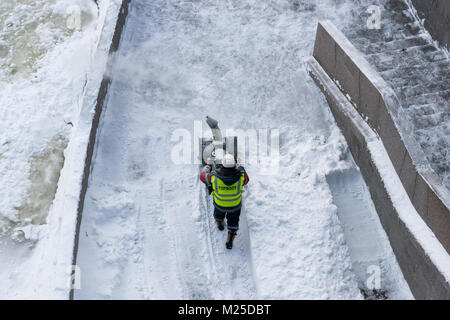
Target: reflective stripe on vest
(227,195)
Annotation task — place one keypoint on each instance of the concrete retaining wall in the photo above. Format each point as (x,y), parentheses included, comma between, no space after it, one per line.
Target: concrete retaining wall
(377,103)
(423,260)
(101,92)
(437,18)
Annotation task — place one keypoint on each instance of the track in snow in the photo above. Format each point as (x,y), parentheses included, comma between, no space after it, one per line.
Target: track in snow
(231,269)
(169,244)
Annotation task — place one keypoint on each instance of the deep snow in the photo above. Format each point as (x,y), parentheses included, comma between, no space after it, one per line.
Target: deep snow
(147,228)
(369,246)
(37,104)
(42,78)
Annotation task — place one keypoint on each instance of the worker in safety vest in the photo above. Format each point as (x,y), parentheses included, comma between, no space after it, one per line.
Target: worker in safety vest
(225,183)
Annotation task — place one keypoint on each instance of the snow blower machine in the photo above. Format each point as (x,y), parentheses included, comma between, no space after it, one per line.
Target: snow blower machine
(213,149)
(216,155)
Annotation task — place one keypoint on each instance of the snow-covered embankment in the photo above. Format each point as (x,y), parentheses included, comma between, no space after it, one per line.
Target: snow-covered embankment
(44,111)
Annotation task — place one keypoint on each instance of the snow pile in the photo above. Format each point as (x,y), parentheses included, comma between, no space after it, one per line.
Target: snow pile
(41,105)
(31,28)
(42,81)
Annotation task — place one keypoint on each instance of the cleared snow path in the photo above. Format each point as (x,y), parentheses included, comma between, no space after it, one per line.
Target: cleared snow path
(232,270)
(147,230)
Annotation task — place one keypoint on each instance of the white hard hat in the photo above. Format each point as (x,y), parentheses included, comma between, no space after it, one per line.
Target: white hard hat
(228,161)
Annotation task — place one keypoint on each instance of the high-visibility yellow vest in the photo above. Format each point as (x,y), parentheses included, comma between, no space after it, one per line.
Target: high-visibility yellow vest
(227,195)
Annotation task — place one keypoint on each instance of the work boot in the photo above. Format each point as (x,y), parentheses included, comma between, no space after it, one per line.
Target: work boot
(220,224)
(230,239)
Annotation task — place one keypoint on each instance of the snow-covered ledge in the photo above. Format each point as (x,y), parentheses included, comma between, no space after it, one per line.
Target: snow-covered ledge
(52,277)
(424,261)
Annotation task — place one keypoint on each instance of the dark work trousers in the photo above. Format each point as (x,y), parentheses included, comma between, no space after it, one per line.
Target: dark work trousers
(232,217)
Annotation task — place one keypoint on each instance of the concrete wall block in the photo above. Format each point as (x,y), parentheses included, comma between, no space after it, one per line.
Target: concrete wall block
(378,193)
(324,50)
(370,99)
(408,175)
(414,263)
(365,159)
(420,199)
(423,279)
(391,138)
(354,136)
(347,74)
(438,218)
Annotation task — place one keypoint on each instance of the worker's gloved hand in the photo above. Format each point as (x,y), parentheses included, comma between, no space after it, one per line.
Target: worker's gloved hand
(210,189)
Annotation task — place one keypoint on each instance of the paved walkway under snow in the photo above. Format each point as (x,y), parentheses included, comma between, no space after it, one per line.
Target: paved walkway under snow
(147,230)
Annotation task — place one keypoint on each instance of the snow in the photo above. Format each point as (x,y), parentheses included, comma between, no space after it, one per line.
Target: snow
(400,199)
(147,230)
(367,241)
(36,105)
(36,237)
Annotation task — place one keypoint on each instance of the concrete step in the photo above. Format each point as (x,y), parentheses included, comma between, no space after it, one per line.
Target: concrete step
(395,45)
(424,109)
(427,121)
(436,145)
(420,89)
(442,97)
(415,75)
(417,71)
(407,57)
